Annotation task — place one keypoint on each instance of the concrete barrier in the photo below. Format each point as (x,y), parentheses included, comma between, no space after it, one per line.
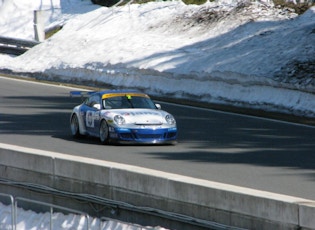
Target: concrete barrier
(205,200)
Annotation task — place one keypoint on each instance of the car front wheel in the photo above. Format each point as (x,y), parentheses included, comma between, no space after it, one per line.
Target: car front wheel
(104,133)
(75,130)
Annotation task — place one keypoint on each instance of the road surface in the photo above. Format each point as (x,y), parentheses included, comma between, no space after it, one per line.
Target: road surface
(240,150)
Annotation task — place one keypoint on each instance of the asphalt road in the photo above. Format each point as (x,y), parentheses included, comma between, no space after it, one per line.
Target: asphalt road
(240,150)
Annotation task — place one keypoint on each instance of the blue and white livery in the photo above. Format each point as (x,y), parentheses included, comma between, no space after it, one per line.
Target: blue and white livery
(123,116)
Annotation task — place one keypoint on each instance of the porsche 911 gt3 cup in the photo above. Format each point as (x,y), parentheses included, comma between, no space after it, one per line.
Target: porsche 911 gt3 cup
(122,116)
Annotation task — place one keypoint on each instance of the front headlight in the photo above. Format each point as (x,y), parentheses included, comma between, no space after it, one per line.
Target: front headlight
(119,119)
(170,119)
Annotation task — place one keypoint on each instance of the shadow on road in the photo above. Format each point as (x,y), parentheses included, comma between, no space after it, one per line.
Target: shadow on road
(204,136)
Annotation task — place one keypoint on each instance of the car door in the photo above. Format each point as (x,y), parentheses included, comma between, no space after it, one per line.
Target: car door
(92,114)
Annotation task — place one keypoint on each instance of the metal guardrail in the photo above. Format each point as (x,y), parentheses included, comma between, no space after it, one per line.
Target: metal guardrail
(15,46)
(51,211)
(14,203)
(104,222)
(116,205)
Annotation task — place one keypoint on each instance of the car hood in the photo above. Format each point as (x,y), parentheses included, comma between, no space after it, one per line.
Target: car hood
(140,116)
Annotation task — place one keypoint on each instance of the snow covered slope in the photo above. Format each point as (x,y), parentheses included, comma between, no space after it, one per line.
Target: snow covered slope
(242,53)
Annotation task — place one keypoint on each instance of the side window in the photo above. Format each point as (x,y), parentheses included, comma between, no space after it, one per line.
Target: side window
(87,101)
(91,101)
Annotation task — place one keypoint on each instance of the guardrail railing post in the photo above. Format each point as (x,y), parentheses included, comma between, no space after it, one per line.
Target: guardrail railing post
(12,208)
(39,27)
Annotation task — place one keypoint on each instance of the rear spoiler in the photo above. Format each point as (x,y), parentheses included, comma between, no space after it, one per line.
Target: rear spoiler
(81,93)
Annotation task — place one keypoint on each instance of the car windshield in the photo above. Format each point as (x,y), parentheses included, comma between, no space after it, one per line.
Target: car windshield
(124,102)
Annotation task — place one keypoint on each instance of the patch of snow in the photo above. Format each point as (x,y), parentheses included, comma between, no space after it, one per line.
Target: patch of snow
(27,219)
(241,53)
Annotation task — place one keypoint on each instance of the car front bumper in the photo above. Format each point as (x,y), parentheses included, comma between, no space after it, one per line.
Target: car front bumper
(149,136)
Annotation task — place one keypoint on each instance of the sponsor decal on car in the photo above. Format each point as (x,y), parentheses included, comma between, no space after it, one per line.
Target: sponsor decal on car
(129,95)
(89,121)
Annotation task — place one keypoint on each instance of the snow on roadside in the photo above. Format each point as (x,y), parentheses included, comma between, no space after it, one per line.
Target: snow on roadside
(27,220)
(239,53)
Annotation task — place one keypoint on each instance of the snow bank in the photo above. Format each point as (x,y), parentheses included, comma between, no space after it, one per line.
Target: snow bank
(28,220)
(239,53)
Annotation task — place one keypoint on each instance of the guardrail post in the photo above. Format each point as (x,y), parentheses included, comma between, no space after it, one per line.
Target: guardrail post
(51,218)
(12,209)
(39,25)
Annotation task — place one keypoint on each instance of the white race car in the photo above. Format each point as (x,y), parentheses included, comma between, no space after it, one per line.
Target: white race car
(124,116)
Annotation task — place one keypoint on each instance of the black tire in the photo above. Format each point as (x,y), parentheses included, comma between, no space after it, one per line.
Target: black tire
(74,125)
(104,132)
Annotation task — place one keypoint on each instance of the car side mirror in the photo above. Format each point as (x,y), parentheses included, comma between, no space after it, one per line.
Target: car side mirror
(97,106)
(158,106)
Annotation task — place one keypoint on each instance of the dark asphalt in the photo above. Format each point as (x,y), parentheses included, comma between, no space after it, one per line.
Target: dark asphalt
(240,150)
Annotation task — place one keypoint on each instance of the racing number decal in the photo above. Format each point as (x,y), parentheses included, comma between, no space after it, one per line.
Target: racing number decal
(89,120)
